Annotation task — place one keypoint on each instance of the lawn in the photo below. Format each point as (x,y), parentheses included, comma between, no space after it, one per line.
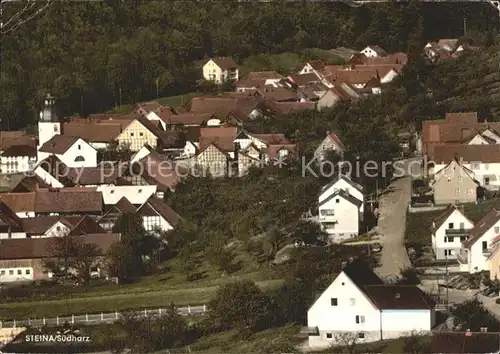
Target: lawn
(390,346)
(149,292)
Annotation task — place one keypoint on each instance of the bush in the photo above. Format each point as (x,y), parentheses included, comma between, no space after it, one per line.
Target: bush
(497,301)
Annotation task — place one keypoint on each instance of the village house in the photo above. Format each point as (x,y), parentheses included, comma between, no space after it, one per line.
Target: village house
(145,108)
(315,66)
(18,159)
(359,304)
(478,247)
(331,143)
(258,79)
(373,51)
(24,259)
(10,223)
(302,80)
(340,92)
(72,151)
(482,160)
(454,183)
(101,133)
(465,342)
(395,58)
(341,208)
(158,216)
(17,137)
(59,226)
(220,70)
(108,220)
(494,259)
(113,181)
(449,230)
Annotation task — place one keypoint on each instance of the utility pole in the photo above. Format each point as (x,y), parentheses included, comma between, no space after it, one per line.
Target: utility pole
(446,279)
(120,95)
(465,26)
(156,88)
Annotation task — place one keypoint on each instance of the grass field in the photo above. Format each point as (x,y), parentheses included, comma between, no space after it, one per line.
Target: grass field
(149,292)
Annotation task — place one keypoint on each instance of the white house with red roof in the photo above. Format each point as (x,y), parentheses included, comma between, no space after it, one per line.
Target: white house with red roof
(220,70)
(478,247)
(449,230)
(330,143)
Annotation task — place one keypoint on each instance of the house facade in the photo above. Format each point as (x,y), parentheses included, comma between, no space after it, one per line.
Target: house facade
(136,135)
(220,70)
(329,144)
(359,304)
(72,151)
(212,161)
(158,216)
(340,216)
(374,51)
(18,159)
(455,184)
(478,247)
(449,231)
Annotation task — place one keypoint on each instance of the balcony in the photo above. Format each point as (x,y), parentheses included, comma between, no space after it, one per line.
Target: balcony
(457,232)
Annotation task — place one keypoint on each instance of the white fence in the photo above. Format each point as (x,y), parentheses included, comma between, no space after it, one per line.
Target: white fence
(102,317)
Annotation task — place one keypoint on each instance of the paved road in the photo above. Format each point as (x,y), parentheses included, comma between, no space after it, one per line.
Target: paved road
(99,317)
(392,224)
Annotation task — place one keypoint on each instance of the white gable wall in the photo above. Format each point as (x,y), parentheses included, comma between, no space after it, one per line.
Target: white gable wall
(478,140)
(481,172)
(370,53)
(478,259)
(139,155)
(391,75)
(342,184)
(346,217)
(342,318)
(492,135)
(441,241)
(47,177)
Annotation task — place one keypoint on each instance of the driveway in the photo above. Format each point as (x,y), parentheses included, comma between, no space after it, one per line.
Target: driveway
(391,226)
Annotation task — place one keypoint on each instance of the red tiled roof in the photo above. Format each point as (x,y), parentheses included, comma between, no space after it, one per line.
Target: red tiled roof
(467,153)
(272,150)
(13,138)
(335,139)
(189,118)
(224,144)
(225,63)
(270,139)
(399,297)
(19,202)
(32,248)
(148,106)
(94,131)
(288,107)
(69,200)
(304,79)
(218,132)
(20,150)
(278,94)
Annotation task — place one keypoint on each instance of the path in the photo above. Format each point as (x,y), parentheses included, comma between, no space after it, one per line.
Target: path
(393,205)
(94,318)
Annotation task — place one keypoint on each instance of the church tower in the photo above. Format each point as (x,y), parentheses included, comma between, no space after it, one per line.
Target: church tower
(48,124)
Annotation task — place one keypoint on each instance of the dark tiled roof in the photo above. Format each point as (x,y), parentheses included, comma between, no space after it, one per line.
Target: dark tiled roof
(225,63)
(463,342)
(344,195)
(398,297)
(482,226)
(95,131)
(345,178)
(379,50)
(439,220)
(29,184)
(69,200)
(160,208)
(11,138)
(59,144)
(361,274)
(467,153)
(125,206)
(304,79)
(148,106)
(8,218)
(86,225)
(19,202)
(20,150)
(32,248)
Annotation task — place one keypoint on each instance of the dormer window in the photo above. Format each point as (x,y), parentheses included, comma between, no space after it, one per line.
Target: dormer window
(56,129)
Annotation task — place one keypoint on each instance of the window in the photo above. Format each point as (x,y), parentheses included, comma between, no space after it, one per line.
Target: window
(448,252)
(131,134)
(11,272)
(79,147)
(327,212)
(485,245)
(475,166)
(469,191)
(361,335)
(2,272)
(451,225)
(337,200)
(141,134)
(58,228)
(334,301)
(329,336)
(139,191)
(486,181)
(28,272)
(459,179)
(360,319)
(111,192)
(353,301)
(463,238)
(497,229)
(457,191)
(486,166)
(449,239)
(19,272)
(79,159)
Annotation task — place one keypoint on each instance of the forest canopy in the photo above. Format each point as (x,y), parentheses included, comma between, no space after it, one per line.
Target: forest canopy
(92,55)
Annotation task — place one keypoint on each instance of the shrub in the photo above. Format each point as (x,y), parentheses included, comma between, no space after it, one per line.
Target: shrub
(497,301)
